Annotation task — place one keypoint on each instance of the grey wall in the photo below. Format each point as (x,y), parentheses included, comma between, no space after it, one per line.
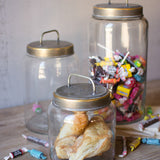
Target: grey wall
(23,21)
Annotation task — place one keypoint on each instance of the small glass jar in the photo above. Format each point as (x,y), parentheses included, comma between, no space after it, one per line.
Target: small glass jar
(118,45)
(48,64)
(81,122)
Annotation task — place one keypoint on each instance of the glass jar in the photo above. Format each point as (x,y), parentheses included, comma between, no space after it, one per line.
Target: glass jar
(118,55)
(81,122)
(48,64)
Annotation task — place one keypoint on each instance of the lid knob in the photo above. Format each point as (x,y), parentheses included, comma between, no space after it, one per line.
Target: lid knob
(41,39)
(81,96)
(50,48)
(93,85)
(109,2)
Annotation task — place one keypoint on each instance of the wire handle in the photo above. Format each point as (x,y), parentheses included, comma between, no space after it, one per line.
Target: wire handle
(41,39)
(78,75)
(109,2)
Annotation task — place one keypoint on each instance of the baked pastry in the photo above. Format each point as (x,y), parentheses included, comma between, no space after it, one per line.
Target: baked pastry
(73,127)
(64,145)
(95,140)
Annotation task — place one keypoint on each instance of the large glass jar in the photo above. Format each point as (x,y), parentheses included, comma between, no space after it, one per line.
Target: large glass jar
(81,122)
(118,55)
(48,64)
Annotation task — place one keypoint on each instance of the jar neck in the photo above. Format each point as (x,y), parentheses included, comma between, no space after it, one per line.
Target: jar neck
(118,18)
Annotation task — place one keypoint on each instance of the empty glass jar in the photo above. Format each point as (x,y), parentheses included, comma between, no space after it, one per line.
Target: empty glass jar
(118,56)
(48,64)
(81,122)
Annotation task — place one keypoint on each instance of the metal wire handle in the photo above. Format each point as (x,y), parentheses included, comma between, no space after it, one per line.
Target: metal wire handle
(41,39)
(78,75)
(109,2)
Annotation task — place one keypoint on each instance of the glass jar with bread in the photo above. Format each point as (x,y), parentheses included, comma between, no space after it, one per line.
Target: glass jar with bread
(81,122)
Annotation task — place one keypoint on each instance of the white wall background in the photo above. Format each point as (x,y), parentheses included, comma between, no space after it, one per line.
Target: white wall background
(23,21)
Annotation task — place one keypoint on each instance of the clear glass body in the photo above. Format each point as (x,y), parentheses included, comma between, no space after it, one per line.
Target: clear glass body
(43,76)
(81,135)
(118,60)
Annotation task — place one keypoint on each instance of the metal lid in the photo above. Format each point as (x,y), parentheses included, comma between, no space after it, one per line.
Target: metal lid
(81,96)
(50,48)
(117,10)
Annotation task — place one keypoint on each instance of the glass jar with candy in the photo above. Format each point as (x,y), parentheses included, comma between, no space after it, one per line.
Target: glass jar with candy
(118,56)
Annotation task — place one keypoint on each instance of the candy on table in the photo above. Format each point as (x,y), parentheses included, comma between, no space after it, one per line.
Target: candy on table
(16,153)
(153,129)
(148,122)
(133,145)
(37,154)
(124,152)
(152,116)
(149,110)
(146,118)
(126,74)
(34,153)
(36,140)
(152,141)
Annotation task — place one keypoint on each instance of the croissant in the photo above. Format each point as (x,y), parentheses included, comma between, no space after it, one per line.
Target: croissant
(95,140)
(73,127)
(64,145)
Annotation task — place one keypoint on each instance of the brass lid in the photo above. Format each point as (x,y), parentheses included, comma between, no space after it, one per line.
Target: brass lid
(81,96)
(50,48)
(117,11)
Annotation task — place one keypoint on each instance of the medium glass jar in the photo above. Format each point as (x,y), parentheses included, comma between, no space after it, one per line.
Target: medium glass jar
(48,64)
(81,122)
(118,55)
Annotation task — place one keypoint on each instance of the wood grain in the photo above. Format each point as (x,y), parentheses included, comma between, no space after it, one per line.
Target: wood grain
(153,93)
(12,126)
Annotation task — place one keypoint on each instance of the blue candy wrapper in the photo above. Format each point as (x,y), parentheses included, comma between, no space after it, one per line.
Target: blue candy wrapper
(37,154)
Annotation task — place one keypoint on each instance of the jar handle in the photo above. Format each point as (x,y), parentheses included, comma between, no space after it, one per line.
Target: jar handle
(78,75)
(109,2)
(41,39)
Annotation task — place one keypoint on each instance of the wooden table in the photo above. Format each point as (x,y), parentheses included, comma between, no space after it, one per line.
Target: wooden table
(12,127)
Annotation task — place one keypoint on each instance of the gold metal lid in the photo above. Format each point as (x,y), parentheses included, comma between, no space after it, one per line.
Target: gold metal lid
(117,10)
(81,96)
(50,48)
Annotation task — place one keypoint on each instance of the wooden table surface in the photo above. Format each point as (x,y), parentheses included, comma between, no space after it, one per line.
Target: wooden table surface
(12,126)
